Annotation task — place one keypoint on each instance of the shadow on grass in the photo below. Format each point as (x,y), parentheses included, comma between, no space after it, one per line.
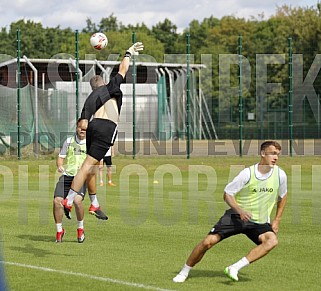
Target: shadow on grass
(38,252)
(219,277)
(30,249)
(44,238)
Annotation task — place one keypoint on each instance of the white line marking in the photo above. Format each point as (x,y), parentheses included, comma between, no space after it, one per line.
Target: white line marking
(104,279)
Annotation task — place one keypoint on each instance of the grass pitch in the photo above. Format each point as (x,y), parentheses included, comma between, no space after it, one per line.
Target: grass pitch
(160,209)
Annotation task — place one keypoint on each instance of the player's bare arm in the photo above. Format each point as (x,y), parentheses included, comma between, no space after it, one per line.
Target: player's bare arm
(60,163)
(230,200)
(279,211)
(133,50)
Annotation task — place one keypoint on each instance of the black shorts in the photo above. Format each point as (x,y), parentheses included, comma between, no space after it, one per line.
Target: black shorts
(107,161)
(63,186)
(231,224)
(100,135)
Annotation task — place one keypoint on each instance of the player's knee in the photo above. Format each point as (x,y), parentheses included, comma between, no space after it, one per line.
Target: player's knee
(57,201)
(208,242)
(271,242)
(274,242)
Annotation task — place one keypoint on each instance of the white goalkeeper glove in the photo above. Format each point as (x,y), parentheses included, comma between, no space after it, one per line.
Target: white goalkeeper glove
(134,49)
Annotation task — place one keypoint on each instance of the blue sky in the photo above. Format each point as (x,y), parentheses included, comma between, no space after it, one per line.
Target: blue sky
(73,13)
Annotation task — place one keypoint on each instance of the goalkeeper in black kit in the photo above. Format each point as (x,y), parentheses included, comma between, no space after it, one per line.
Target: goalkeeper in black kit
(103,105)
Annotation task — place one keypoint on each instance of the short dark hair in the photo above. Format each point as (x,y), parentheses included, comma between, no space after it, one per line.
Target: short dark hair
(96,81)
(268,143)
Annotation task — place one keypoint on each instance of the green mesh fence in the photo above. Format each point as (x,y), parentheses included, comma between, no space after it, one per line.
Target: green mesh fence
(55,119)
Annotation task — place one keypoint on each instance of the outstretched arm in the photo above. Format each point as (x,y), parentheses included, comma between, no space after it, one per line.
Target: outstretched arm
(133,50)
(124,66)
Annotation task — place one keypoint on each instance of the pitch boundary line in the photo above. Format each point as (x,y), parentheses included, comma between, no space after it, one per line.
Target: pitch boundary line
(92,277)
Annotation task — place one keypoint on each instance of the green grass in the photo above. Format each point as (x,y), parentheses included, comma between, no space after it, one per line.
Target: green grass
(153,228)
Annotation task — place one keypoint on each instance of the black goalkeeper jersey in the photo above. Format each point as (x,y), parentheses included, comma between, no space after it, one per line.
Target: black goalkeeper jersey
(101,95)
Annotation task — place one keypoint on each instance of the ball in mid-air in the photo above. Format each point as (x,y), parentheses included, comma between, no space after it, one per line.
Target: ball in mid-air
(98,41)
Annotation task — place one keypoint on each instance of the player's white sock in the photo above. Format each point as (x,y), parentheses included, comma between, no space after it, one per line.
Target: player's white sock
(94,200)
(240,264)
(185,270)
(59,227)
(80,224)
(71,196)
(182,275)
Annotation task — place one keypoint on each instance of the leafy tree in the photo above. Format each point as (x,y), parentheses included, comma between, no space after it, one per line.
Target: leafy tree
(166,33)
(90,26)
(33,38)
(7,45)
(137,28)
(35,41)
(109,24)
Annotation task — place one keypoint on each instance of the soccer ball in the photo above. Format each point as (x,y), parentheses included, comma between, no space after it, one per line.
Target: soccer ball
(98,41)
